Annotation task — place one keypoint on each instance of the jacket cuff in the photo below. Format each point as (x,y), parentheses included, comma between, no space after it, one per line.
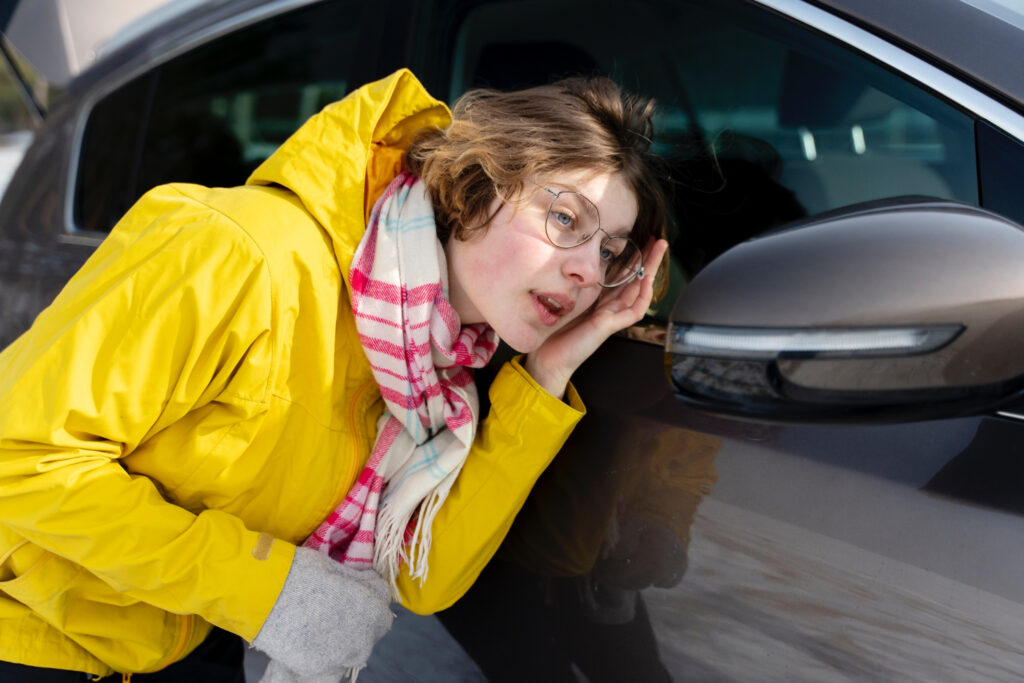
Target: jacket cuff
(572,397)
(265,567)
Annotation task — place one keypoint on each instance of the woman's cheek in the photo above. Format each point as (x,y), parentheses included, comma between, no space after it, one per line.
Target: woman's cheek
(590,299)
(585,305)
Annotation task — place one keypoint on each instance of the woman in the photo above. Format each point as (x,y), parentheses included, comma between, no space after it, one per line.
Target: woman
(193,406)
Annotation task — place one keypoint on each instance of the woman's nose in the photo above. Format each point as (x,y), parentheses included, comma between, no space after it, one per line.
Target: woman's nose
(582,264)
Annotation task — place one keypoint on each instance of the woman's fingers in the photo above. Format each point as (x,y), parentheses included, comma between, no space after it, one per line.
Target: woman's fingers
(640,288)
(635,296)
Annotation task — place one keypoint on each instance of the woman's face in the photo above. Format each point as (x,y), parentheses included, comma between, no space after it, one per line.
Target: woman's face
(510,276)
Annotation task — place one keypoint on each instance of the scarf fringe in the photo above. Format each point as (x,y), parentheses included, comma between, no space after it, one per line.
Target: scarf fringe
(400,541)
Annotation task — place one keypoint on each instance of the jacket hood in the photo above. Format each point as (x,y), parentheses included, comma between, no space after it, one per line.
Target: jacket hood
(343,158)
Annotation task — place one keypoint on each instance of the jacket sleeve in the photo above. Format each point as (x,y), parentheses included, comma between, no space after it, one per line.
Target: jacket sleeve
(525,429)
(170,316)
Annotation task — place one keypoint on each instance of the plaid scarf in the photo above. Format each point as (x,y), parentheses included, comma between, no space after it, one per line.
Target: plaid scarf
(420,358)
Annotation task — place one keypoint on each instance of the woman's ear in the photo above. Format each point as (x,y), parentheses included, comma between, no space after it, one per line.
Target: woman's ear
(662,278)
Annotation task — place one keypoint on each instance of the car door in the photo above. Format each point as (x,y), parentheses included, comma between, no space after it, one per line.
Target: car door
(669,543)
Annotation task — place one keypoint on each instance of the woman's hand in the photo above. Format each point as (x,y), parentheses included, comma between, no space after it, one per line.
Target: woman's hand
(553,362)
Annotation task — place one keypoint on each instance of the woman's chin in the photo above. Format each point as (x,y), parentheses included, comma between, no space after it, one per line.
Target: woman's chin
(520,347)
(522,342)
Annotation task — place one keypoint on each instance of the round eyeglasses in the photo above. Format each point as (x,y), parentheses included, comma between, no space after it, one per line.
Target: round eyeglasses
(572,220)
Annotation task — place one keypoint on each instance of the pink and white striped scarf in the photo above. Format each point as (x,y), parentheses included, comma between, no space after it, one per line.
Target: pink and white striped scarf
(420,356)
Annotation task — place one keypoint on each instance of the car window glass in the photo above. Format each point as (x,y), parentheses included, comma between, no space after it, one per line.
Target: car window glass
(213,114)
(761,121)
(999,158)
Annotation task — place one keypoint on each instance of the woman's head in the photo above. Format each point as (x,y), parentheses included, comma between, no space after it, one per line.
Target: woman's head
(500,142)
(492,175)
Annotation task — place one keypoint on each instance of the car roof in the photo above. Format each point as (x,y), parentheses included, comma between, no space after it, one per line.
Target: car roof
(154,20)
(979,40)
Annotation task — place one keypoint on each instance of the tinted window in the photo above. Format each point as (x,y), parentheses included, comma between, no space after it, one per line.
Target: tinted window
(106,175)
(213,114)
(761,121)
(1000,159)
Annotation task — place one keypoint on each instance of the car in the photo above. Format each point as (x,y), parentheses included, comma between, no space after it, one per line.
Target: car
(803,464)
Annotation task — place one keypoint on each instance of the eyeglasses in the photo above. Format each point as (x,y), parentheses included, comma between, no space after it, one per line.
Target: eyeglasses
(572,220)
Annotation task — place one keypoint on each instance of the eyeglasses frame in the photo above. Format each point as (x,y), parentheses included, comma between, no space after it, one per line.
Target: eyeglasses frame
(638,273)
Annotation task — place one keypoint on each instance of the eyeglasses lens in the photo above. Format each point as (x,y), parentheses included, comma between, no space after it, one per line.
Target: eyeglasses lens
(572,219)
(622,260)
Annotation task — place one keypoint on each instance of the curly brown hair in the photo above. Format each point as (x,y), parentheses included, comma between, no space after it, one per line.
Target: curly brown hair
(497,141)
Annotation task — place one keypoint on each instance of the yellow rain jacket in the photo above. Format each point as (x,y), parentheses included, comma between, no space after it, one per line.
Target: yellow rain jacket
(195,402)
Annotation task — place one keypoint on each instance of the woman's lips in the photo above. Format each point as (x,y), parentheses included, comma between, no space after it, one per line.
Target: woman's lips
(552,307)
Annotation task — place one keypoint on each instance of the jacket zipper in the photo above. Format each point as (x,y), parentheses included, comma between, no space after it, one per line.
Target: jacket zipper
(183,637)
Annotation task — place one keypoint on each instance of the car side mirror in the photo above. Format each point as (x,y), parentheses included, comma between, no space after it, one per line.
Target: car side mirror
(897,310)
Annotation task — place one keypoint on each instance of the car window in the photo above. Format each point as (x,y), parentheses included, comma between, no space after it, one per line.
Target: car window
(999,158)
(211,115)
(761,121)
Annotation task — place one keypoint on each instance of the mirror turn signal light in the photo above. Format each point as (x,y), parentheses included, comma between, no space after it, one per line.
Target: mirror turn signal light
(765,343)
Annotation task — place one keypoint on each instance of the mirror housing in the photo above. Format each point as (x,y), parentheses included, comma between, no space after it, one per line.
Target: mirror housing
(896,310)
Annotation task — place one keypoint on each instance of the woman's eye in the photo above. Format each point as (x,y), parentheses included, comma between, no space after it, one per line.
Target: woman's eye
(564,220)
(611,250)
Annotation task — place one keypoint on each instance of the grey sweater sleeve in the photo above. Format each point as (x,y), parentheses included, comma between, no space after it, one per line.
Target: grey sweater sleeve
(326,619)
